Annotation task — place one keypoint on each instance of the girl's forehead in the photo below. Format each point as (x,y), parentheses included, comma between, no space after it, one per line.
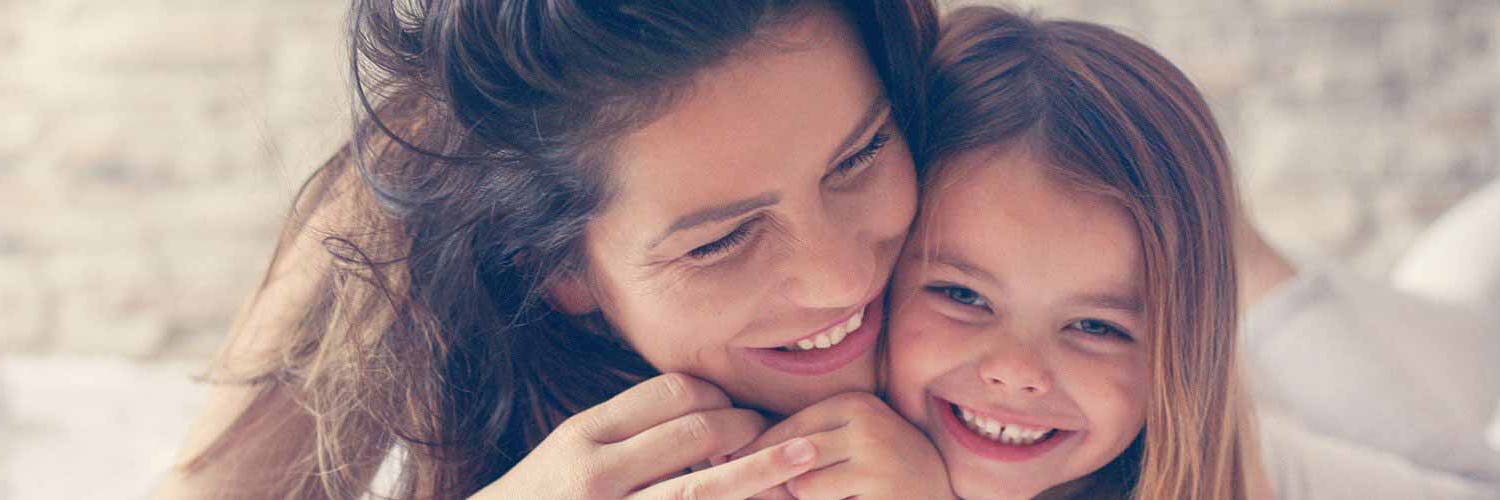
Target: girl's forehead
(1015,184)
(1008,214)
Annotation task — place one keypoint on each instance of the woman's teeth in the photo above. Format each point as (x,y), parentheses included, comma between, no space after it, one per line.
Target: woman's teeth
(994,430)
(830,337)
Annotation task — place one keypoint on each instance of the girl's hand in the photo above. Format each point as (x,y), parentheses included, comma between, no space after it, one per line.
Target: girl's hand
(638,444)
(865,451)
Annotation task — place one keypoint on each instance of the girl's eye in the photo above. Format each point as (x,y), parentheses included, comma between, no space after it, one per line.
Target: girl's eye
(962,295)
(722,245)
(1099,328)
(862,157)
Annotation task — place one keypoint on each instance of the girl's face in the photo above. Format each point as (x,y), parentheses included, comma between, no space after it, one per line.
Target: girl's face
(756,223)
(1016,322)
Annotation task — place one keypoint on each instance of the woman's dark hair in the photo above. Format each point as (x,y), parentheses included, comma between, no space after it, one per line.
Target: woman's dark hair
(482,148)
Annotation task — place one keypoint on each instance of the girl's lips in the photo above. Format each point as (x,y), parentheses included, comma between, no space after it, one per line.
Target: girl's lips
(820,361)
(985,448)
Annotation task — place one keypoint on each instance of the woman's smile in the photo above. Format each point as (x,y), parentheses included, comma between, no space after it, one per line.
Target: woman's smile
(828,349)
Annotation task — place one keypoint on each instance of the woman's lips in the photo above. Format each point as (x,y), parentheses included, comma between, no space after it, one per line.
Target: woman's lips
(987,447)
(818,360)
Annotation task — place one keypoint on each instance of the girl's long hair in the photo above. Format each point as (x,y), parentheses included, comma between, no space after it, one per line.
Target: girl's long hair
(1110,113)
(481,150)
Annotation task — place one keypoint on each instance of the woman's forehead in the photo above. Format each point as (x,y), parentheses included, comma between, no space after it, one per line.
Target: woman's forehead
(764,121)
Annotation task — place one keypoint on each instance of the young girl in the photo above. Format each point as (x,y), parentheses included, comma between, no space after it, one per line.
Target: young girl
(1063,318)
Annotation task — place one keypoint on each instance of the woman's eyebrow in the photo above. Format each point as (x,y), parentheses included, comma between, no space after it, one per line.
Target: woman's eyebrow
(716,213)
(876,110)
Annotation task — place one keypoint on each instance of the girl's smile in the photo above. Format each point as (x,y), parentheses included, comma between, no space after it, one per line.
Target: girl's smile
(1006,437)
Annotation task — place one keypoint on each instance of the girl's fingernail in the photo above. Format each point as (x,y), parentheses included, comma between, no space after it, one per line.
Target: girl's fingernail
(799,451)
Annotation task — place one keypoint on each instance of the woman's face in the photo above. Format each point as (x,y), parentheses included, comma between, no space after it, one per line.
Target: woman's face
(1016,328)
(755,224)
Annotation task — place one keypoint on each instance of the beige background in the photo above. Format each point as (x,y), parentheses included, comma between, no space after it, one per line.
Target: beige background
(148,149)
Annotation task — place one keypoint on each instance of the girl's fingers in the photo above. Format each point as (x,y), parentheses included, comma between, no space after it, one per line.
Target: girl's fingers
(778,492)
(826,415)
(741,478)
(646,405)
(830,483)
(834,449)
(667,449)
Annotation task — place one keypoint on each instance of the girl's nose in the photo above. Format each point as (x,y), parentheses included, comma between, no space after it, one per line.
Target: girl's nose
(1013,367)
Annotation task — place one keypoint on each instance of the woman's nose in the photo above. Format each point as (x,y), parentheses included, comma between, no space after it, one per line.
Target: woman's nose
(831,267)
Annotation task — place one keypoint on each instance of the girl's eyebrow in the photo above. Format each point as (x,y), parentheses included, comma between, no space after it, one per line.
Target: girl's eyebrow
(1129,303)
(1115,298)
(957,262)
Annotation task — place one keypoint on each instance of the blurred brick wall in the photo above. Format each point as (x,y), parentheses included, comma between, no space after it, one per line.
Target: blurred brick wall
(148,148)
(1353,123)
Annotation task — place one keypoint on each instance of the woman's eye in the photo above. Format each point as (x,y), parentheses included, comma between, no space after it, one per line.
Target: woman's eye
(1099,328)
(722,245)
(862,157)
(963,296)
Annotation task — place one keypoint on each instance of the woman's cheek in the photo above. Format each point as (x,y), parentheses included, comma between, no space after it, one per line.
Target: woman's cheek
(897,201)
(665,323)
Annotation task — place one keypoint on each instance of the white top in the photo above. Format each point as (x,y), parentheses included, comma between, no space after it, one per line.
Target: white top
(1457,259)
(1404,386)
(1307,465)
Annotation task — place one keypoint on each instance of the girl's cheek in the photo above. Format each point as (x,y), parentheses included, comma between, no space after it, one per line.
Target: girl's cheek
(1115,387)
(920,347)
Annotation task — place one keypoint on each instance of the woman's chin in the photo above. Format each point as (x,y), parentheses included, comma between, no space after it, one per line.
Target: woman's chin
(784,394)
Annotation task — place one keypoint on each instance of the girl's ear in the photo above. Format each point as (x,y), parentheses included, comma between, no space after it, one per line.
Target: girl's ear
(569,292)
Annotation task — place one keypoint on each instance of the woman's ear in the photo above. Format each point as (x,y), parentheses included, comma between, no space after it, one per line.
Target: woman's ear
(569,292)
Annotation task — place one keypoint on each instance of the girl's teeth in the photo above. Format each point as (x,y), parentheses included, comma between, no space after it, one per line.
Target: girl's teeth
(805,344)
(1010,435)
(993,430)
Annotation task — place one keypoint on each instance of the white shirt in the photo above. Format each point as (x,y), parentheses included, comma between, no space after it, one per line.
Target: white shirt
(1404,386)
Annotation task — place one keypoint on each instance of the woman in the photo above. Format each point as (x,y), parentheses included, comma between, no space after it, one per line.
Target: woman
(547,203)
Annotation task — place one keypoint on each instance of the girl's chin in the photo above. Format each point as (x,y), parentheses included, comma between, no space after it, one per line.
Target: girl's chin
(975,485)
